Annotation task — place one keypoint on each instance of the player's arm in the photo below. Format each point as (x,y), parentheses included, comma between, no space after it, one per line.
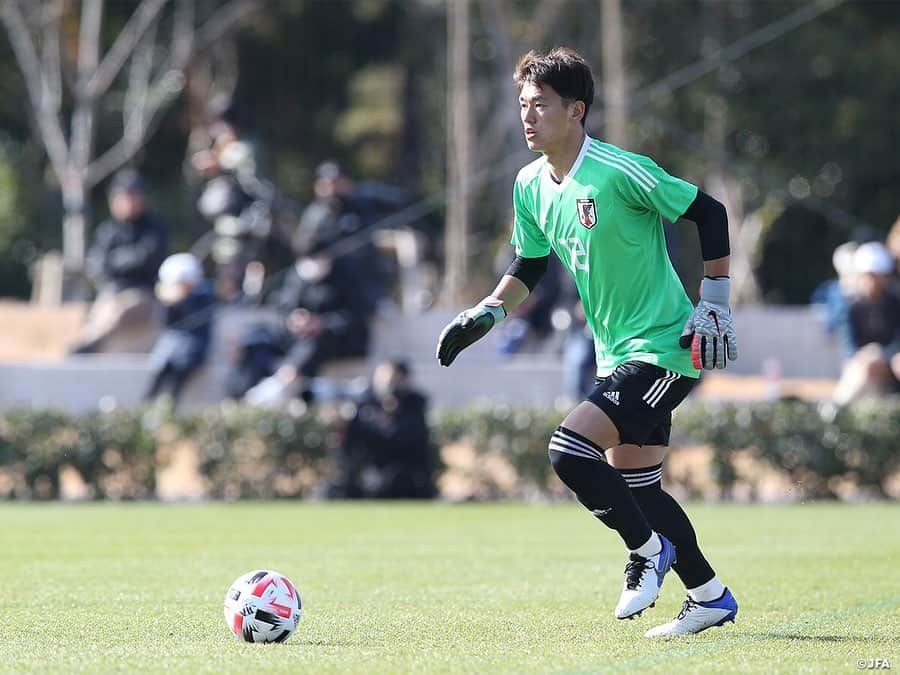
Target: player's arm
(474,323)
(709,331)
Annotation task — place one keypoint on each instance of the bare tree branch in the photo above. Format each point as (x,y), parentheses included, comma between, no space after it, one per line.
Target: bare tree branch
(82,133)
(135,101)
(143,17)
(224,20)
(51,56)
(170,81)
(544,21)
(166,88)
(183,32)
(503,125)
(26,55)
(224,77)
(132,140)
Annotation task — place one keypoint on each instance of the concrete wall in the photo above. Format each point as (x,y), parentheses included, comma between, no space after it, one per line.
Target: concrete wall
(790,335)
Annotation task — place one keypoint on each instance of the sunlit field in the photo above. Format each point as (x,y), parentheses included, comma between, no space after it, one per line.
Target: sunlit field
(435,588)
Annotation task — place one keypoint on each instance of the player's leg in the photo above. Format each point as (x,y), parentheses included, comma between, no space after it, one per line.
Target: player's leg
(641,467)
(576,453)
(709,603)
(640,398)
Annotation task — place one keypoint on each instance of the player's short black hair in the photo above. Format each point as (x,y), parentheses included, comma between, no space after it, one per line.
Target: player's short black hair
(563,69)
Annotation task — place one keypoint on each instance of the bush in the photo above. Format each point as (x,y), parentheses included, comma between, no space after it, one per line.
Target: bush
(816,445)
(246,452)
(262,453)
(518,435)
(32,446)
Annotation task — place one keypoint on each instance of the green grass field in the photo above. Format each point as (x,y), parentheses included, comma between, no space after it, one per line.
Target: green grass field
(435,588)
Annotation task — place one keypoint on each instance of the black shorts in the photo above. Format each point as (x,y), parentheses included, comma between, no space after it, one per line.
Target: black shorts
(639,398)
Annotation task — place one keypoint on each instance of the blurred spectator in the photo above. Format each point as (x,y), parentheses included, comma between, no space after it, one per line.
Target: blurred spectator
(240,206)
(386,451)
(349,211)
(893,239)
(579,357)
(834,295)
(326,318)
(122,264)
(531,322)
(873,327)
(189,301)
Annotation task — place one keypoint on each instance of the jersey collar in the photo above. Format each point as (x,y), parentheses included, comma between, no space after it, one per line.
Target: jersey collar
(559,187)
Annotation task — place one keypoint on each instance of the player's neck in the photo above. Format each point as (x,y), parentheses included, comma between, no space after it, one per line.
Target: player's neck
(561,159)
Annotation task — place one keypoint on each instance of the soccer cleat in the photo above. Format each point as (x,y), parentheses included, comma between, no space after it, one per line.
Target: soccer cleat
(643,577)
(698,616)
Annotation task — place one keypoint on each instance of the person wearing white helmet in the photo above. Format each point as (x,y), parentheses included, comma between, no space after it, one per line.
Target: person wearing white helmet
(874,327)
(189,303)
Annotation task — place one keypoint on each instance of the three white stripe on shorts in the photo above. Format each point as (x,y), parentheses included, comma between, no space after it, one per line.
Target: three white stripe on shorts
(660,387)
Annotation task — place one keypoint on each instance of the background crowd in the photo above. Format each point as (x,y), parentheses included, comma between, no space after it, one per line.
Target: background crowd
(277,175)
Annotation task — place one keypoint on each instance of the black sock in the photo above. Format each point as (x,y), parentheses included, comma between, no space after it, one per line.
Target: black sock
(667,517)
(598,486)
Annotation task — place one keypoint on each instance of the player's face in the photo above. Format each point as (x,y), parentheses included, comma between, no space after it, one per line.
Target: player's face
(546,117)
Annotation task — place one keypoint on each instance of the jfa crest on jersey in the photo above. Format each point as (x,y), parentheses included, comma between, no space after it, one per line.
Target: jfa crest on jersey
(587,212)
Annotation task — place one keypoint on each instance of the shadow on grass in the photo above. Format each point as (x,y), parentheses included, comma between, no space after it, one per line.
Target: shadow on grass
(810,638)
(320,643)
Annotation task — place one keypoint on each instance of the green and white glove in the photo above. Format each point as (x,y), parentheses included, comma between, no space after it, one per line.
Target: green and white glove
(468,327)
(709,331)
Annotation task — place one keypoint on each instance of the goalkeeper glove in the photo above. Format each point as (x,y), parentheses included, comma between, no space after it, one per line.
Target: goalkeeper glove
(709,331)
(469,326)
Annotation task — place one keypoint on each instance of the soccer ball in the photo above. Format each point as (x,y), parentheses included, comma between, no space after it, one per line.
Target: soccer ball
(262,606)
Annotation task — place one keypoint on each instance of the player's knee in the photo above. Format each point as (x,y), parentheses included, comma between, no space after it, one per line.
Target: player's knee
(567,467)
(575,472)
(567,446)
(556,458)
(568,452)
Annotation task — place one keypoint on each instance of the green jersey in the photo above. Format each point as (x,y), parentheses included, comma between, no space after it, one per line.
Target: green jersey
(604,221)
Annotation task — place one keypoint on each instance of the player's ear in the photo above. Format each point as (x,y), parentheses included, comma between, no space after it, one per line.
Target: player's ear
(576,110)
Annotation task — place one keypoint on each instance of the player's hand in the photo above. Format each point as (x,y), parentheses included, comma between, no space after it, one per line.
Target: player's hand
(709,331)
(468,326)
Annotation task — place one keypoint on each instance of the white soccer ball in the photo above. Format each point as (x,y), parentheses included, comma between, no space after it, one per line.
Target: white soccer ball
(262,606)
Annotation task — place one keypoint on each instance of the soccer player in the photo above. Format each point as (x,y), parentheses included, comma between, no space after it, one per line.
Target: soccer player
(600,209)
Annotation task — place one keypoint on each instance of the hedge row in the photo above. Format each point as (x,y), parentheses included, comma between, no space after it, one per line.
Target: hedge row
(246,452)
(242,452)
(816,445)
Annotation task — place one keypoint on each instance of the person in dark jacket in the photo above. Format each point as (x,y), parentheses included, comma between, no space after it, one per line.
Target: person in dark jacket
(182,348)
(385,450)
(327,317)
(127,251)
(349,215)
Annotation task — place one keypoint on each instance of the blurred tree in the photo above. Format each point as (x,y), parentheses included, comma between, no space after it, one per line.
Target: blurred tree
(13,271)
(777,99)
(60,54)
(781,97)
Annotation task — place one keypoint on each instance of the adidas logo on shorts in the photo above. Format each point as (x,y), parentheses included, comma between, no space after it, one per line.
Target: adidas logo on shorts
(612,396)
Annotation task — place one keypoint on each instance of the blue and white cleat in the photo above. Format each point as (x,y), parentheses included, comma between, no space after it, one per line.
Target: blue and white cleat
(698,616)
(643,577)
